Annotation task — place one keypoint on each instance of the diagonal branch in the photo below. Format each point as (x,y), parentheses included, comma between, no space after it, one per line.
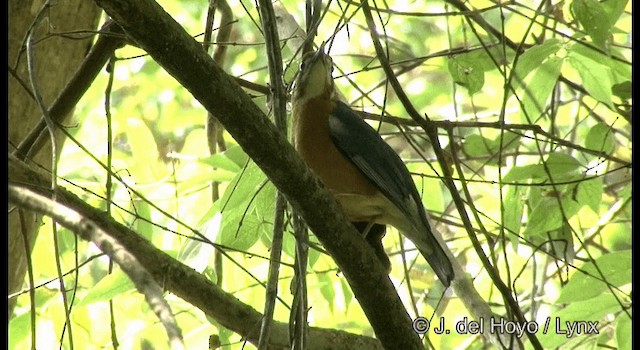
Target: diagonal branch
(90,230)
(182,280)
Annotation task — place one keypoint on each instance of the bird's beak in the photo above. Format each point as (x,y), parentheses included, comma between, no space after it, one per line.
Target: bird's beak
(320,52)
(318,55)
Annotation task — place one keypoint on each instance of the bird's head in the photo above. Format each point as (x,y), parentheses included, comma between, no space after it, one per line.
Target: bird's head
(314,79)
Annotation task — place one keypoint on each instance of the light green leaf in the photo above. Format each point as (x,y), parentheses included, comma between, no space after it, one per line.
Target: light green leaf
(242,188)
(600,138)
(538,90)
(220,160)
(478,146)
(547,216)
(467,73)
(347,293)
(590,193)
(241,227)
(524,172)
(595,20)
(240,230)
(591,310)
(326,289)
(19,329)
(475,145)
(514,207)
(533,58)
(237,155)
(144,227)
(616,269)
(108,287)
(620,70)
(623,332)
(561,164)
(614,9)
(596,78)
(197,180)
(143,165)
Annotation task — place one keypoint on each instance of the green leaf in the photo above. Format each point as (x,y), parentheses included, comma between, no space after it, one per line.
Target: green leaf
(242,188)
(524,172)
(547,216)
(241,227)
(620,70)
(326,289)
(19,329)
(475,145)
(197,180)
(108,287)
(600,138)
(143,147)
(484,58)
(144,227)
(237,155)
(622,90)
(240,230)
(347,293)
(590,193)
(514,207)
(594,19)
(539,88)
(616,269)
(614,9)
(596,77)
(533,58)
(478,146)
(561,164)
(592,310)
(467,73)
(623,332)
(220,160)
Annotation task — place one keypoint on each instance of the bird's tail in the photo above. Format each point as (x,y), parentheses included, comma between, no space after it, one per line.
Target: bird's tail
(440,263)
(429,246)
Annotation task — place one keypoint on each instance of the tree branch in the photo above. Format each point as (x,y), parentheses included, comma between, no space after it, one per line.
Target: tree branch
(90,230)
(182,280)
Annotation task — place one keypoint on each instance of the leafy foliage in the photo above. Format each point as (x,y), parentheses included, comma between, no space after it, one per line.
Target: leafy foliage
(539,114)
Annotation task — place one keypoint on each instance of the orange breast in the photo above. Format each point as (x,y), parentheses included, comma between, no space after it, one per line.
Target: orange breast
(312,141)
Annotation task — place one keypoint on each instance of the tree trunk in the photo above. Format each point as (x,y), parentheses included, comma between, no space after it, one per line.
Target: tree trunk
(56,59)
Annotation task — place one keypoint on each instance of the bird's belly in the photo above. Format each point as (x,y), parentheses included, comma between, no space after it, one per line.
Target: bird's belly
(371,208)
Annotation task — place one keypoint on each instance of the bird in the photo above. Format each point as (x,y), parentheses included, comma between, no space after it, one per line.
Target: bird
(366,176)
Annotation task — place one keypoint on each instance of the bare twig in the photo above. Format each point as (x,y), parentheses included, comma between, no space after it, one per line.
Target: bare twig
(279,107)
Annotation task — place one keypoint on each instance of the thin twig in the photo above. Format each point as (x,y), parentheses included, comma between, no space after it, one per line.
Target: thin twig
(279,107)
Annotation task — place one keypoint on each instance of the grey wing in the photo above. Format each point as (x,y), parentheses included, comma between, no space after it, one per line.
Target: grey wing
(374,157)
(361,144)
